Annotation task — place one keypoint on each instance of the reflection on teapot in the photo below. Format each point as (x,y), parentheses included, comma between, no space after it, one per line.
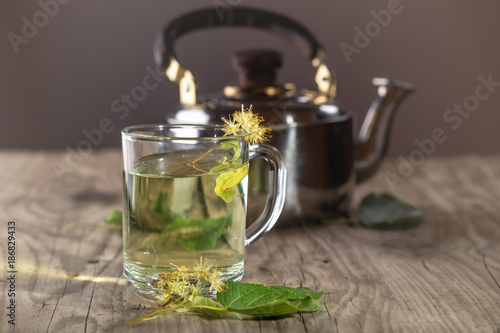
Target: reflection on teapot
(314,134)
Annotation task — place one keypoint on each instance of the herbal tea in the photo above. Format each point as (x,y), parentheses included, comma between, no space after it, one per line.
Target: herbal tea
(173,216)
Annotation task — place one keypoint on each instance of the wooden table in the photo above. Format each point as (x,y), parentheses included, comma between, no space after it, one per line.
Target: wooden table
(440,276)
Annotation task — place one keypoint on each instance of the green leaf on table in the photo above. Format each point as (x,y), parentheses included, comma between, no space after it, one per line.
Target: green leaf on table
(262,301)
(227,180)
(114,217)
(384,210)
(301,292)
(235,299)
(204,304)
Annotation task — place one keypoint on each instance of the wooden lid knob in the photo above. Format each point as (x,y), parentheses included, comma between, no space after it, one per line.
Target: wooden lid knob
(257,68)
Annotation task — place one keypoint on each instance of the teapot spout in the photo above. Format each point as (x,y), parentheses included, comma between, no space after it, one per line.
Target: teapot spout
(373,137)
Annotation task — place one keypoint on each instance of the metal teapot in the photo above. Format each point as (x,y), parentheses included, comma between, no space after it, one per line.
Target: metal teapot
(314,134)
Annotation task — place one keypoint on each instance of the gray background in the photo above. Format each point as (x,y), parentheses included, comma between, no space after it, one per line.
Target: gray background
(65,78)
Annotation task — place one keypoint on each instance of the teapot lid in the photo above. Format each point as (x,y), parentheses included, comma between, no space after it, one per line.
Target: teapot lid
(278,103)
(257,71)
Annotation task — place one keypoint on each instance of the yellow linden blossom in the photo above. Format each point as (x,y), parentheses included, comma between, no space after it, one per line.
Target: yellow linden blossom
(215,281)
(245,121)
(182,271)
(259,135)
(177,287)
(246,118)
(164,278)
(187,283)
(240,116)
(194,290)
(201,271)
(231,127)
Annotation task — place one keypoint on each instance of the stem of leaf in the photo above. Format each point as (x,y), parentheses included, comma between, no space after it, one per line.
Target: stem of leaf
(153,314)
(199,158)
(206,307)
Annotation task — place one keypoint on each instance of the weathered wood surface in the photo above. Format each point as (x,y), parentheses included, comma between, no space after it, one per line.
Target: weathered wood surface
(441,276)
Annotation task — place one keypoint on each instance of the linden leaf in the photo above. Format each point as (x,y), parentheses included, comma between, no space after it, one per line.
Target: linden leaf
(241,300)
(301,291)
(204,304)
(162,206)
(223,165)
(114,217)
(383,210)
(204,224)
(233,144)
(262,301)
(199,235)
(226,180)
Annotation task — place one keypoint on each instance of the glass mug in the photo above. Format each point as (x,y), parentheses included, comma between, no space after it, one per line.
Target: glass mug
(185,200)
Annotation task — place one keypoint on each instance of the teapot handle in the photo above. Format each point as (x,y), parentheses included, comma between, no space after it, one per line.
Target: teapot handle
(166,59)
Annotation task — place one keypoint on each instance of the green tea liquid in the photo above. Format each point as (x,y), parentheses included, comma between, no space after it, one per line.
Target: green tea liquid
(173,217)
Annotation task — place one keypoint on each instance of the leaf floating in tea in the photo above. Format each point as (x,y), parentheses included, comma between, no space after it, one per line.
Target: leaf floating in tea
(227,180)
(207,232)
(233,144)
(200,242)
(383,210)
(162,206)
(225,165)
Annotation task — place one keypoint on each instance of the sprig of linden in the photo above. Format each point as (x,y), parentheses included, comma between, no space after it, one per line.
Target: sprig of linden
(245,121)
(186,283)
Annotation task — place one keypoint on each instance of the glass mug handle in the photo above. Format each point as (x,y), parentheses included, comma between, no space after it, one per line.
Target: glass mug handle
(276,195)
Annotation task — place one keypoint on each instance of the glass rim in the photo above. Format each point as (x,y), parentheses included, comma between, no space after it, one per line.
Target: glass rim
(128,132)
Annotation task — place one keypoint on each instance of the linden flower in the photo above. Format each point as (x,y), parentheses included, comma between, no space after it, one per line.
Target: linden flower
(246,118)
(201,271)
(240,116)
(182,271)
(185,284)
(245,121)
(260,134)
(231,127)
(177,287)
(194,290)
(215,281)
(165,278)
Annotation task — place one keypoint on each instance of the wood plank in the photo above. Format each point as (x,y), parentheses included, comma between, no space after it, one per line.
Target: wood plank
(442,275)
